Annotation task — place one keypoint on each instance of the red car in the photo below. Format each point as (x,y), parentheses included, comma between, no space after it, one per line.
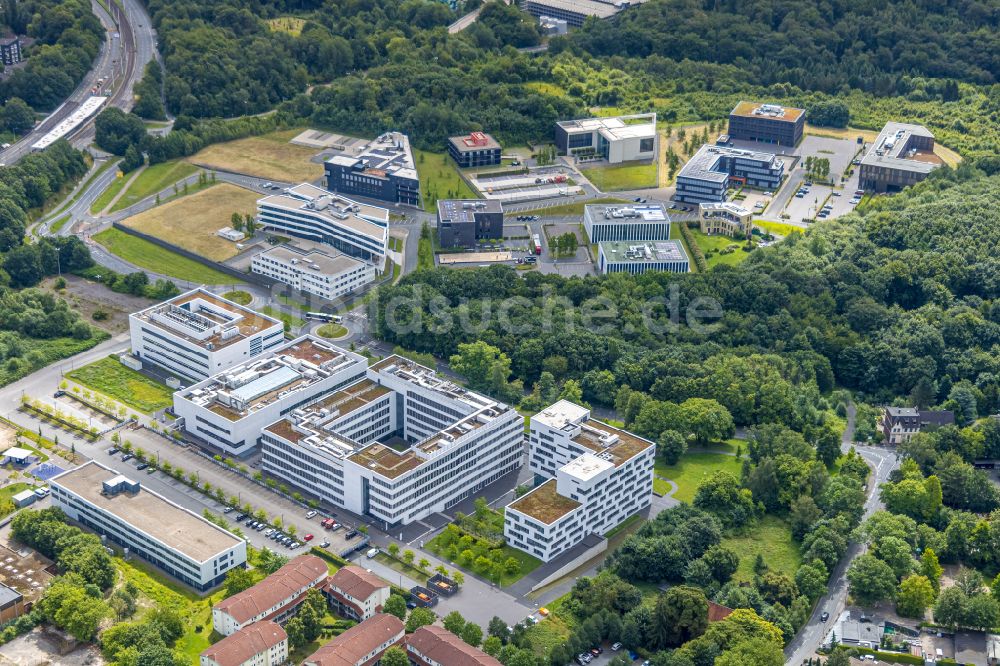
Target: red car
(307,537)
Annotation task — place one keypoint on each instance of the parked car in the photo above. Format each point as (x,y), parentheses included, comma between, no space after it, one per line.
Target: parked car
(260,526)
(141,466)
(308,537)
(824,616)
(269,531)
(325,544)
(351,534)
(616,646)
(127,457)
(228,509)
(311,514)
(112,451)
(240,517)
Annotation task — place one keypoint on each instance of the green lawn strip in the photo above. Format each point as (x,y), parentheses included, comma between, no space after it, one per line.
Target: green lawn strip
(109,377)
(425,254)
(677,235)
(107,195)
(409,570)
(331,331)
(160,260)
(622,177)
(86,184)
(439,179)
(712,246)
(284,317)
(571,208)
(778,228)
(154,179)
(240,297)
(624,525)
(772,538)
(57,226)
(694,468)
(547,634)
(528,562)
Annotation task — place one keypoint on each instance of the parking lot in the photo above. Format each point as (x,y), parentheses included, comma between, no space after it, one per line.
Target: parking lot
(538,184)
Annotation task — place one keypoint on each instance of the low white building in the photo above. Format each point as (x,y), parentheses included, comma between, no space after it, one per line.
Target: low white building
(310,212)
(626,222)
(642,256)
(724,218)
(230,409)
(324,273)
(615,139)
(261,644)
(176,540)
(397,446)
(230,234)
(198,334)
(598,477)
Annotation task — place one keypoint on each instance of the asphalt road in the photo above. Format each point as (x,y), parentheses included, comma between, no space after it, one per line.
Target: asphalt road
(883,461)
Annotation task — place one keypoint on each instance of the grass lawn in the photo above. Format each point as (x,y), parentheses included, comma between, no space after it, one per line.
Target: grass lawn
(712,246)
(290,24)
(572,208)
(694,468)
(528,562)
(191,222)
(285,318)
(439,179)
(107,195)
(154,179)
(546,88)
(156,259)
(109,377)
(772,538)
(267,156)
(425,253)
(547,634)
(57,226)
(622,176)
(7,492)
(778,228)
(241,297)
(331,331)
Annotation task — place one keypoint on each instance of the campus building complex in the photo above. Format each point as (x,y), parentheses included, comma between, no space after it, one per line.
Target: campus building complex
(198,334)
(310,212)
(399,445)
(462,222)
(767,123)
(356,593)
(260,644)
(902,155)
(641,256)
(597,477)
(618,139)
(477,149)
(229,410)
(639,222)
(724,218)
(382,169)
(575,12)
(275,598)
(713,169)
(314,270)
(117,508)
(361,645)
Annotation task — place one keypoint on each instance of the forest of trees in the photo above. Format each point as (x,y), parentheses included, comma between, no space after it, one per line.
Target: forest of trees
(68,37)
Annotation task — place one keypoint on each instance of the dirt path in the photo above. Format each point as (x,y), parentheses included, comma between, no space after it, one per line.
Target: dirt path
(121,192)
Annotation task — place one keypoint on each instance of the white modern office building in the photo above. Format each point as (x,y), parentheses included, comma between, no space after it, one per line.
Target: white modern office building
(178,541)
(616,139)
(399,445)
(641,257)
(310,212)
(198,334)
(640,222)
(597,477)
(229,410)
(314,270)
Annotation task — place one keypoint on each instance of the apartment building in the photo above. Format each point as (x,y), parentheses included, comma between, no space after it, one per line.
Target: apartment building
(432,645)
(724,218)
(356,593)
(229,410)
(462,222)
(275,598)
(197,334)
(361,645)
(575,12)
(260,644)
(399,445)
(314,269)
(900,424)
(10,50)
(597,477)
(640,222)
(476,150)
(713,169)
(381,169)
(306,211)
(902,155)
(178,541)
(767,123)
(641,257)
(616,139)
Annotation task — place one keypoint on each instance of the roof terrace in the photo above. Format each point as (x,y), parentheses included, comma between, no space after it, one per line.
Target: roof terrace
(545,504)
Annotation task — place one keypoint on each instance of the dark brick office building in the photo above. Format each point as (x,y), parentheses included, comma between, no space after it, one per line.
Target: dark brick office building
(462,222)
(767,123)
(477,149)
(383,169)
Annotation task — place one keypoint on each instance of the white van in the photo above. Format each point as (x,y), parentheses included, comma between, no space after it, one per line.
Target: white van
(372,553)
